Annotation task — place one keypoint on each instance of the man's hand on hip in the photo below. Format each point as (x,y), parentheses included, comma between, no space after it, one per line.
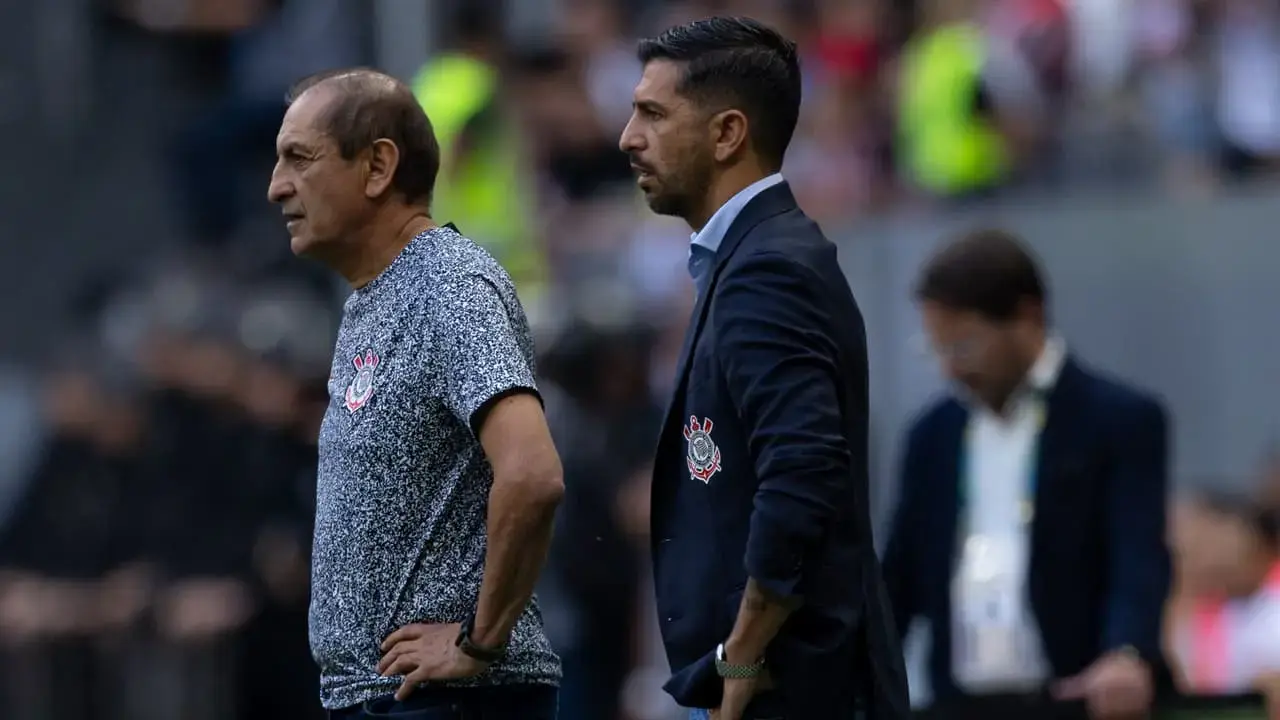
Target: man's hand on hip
(738,693)
(421,652)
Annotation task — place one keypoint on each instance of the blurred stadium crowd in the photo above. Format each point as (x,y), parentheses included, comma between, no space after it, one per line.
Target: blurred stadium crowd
(157,423)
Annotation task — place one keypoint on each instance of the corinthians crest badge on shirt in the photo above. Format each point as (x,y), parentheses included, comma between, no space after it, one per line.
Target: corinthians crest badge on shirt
(361,387)
(703,455)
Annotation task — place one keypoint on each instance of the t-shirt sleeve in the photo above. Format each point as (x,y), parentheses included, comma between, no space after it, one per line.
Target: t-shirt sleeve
(480,347)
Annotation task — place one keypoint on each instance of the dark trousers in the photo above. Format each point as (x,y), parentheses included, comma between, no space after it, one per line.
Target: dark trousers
(521,702)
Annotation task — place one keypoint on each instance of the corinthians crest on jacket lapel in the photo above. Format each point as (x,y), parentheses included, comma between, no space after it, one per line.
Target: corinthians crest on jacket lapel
(703,456)
(361,387)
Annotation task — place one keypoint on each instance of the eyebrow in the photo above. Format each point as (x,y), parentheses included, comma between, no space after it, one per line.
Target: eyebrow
(648,105)
(292,146)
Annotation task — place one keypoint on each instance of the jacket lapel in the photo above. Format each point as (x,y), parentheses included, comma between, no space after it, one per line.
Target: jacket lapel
(1061,412)
(769,203)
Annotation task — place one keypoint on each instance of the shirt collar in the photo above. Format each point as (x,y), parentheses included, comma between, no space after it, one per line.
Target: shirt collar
(712,234)
(1044,373)
(1040,379)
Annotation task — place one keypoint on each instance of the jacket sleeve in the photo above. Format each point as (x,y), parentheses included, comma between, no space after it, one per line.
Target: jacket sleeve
(899,560)
(1138,574)
(780,364)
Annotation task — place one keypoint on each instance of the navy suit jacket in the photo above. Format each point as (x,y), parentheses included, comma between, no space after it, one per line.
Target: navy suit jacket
(761,470)
(1099,567)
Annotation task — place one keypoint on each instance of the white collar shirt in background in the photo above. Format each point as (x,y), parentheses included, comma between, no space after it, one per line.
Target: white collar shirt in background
(996,645)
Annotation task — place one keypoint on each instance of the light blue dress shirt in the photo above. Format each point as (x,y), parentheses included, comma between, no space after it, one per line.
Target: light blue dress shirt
(705,242)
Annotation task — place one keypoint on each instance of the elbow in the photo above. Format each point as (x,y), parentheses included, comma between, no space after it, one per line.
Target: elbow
(549,491)
(539,485)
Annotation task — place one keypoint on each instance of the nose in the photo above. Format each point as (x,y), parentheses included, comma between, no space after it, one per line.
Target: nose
(279,189)
(630,140)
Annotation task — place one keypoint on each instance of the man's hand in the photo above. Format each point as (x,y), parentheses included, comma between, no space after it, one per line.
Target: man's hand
(738,693)
(24,612)
(1269,686)
(423,652)
(1117,686)
(198,609)
(123,596)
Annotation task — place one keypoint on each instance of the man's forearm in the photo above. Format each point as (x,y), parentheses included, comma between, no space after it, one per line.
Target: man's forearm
(761,615)
(521,516)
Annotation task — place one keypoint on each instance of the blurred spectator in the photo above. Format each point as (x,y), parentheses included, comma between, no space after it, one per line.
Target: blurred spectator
(1247,59)
(604,425)
(577,155)
(72,549)
(1172,86)
(841,162)
(484,186)
(958,133)
(594,32)
(1225,634)
(238,132)
(1027,77)
(286,333)
(195,15)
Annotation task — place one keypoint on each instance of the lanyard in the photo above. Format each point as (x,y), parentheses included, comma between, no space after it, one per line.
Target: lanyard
(969,480)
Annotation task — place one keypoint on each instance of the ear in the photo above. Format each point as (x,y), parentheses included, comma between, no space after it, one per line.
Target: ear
(729,133)
(1031,311)
(384,158)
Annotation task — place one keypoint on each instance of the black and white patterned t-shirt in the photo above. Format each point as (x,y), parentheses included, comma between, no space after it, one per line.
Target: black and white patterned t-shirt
(403,484)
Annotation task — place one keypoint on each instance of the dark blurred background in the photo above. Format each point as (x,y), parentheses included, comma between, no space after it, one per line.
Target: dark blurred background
(163,356)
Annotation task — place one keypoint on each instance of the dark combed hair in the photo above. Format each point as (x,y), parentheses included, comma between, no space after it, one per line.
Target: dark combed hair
(741,63)
(369,106)
(989,272)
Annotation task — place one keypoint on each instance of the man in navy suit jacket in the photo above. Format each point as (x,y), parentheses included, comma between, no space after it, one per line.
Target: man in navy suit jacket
(1068,465)
(768,587)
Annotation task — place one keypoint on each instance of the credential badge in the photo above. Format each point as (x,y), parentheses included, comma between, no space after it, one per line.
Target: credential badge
(361,387)
(703,455)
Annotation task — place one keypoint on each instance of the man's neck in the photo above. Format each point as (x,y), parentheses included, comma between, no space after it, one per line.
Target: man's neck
(731,183)
(375,252)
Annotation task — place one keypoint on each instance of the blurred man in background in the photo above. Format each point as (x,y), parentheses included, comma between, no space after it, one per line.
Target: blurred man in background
(287,338)
(603,419)
(63,551)
(1030,528)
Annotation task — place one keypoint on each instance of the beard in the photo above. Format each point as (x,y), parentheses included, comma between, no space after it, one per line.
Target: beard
(680,193)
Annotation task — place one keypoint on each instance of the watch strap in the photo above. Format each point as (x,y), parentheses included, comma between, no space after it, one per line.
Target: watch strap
(730,671)
(471,650)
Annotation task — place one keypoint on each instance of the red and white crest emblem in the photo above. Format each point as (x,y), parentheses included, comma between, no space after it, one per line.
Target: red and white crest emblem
(361,387)
(703,455)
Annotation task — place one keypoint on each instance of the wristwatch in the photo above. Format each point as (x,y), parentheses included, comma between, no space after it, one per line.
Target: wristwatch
(727,670)
(471,650)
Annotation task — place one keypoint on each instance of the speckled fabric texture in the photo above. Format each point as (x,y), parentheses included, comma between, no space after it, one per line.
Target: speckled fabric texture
(403,482)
